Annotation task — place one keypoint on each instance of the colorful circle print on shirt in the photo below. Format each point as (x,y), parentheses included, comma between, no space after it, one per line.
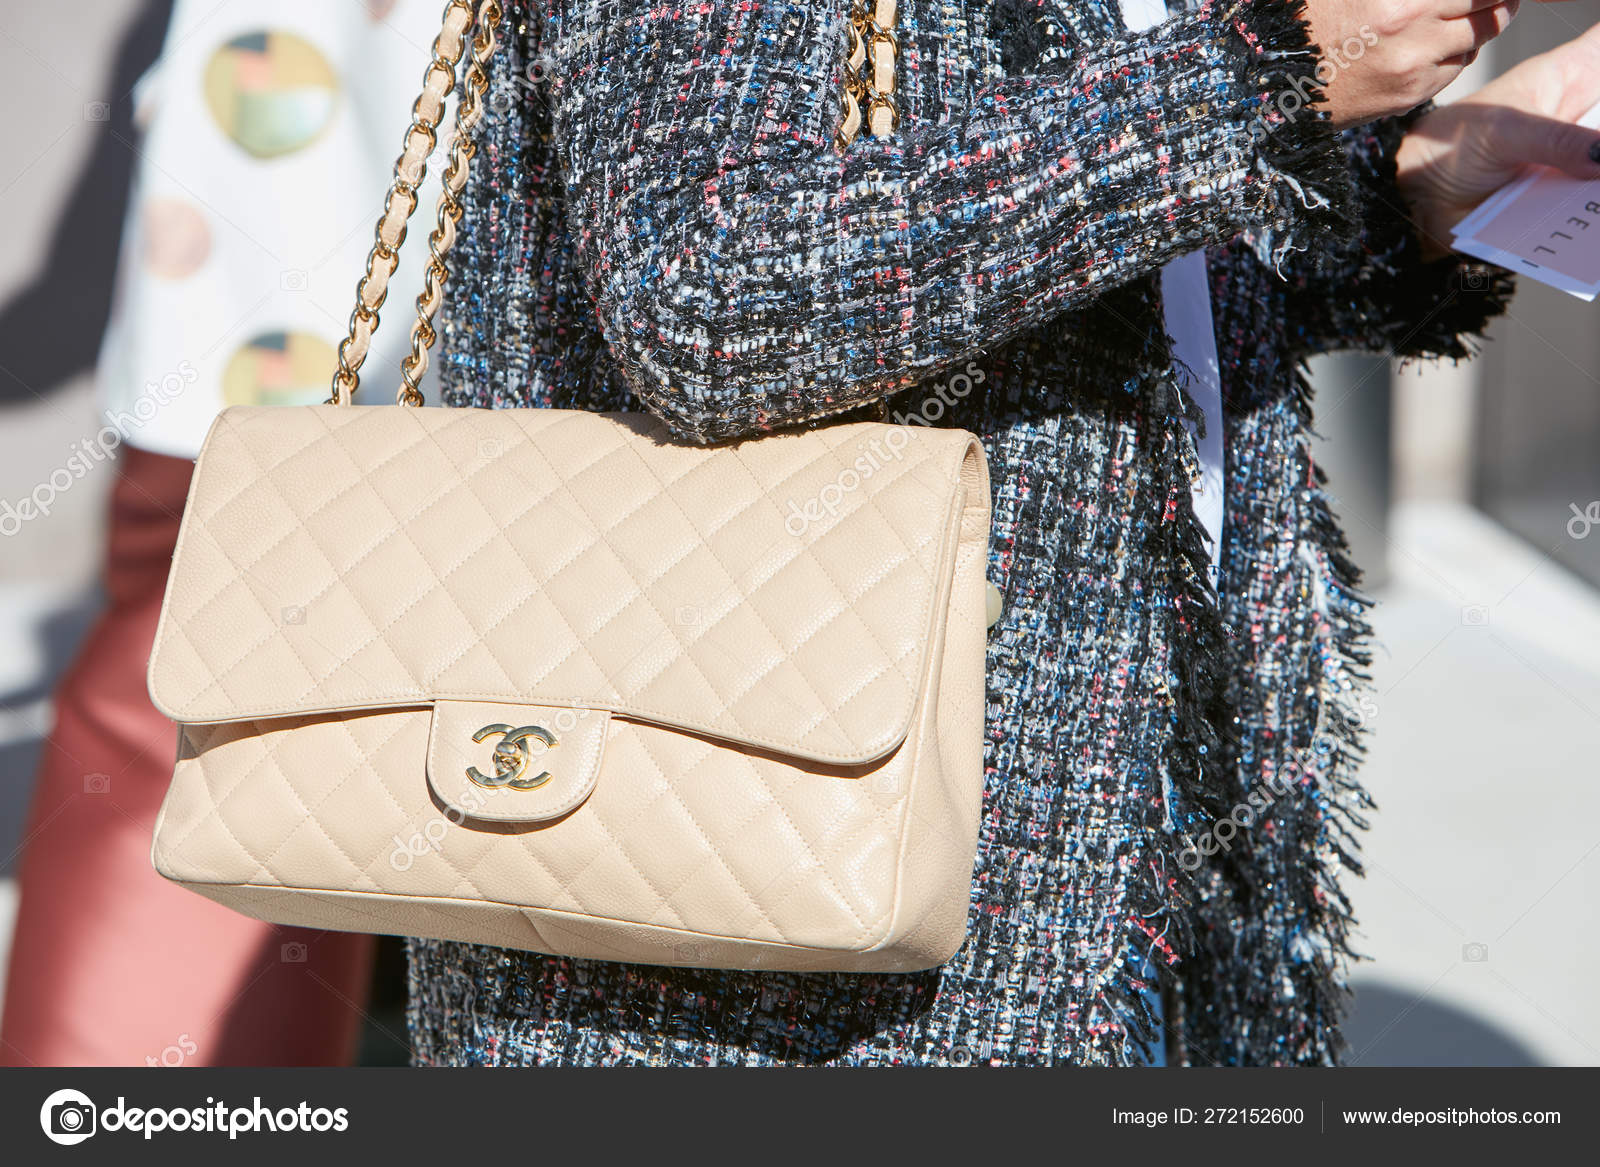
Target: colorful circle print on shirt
(280,368)
(270,91)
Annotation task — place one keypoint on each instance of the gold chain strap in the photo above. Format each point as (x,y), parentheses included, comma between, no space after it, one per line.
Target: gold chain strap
(869,72)
(869,87)
(401,202)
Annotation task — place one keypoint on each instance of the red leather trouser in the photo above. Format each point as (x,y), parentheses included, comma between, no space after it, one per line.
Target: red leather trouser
(110,963)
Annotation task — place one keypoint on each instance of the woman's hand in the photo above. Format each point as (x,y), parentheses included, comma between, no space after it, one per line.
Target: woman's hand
(1381,58)
(1461,153)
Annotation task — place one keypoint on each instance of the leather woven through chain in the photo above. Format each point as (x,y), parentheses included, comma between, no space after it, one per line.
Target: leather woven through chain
(868,101)
(871,54)
(401,203)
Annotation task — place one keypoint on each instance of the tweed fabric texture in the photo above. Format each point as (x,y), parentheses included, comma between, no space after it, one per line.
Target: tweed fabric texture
(656,219)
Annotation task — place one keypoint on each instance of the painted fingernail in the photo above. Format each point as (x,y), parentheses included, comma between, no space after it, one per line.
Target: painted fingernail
(1594,151)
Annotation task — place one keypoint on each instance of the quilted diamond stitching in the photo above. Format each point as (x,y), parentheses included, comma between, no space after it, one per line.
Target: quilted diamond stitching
(491,849)
(822,709)
(219,676)
(718,796)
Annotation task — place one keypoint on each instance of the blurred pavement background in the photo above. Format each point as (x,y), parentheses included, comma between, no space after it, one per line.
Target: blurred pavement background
(1459,485)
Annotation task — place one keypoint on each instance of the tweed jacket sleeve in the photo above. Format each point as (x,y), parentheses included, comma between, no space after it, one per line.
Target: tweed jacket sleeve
(1374,292)
(747,276)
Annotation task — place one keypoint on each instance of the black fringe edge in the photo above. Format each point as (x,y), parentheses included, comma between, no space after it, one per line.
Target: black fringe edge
(1192,785)
(1325,840)
(1307,200)
(1197,776)
(1464,296)
(1306,196)
(1340,747)
(1197,787)
(1451,300)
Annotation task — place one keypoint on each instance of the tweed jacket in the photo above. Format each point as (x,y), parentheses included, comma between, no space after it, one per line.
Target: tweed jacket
(658,219)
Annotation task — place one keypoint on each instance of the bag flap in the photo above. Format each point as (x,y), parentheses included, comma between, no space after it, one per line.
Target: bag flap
(780,593)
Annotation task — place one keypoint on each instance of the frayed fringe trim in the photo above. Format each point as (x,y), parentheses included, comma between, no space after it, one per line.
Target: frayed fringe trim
(1330,843)
(1198,779)
(1456,296)
(1306,194)
(1193,787)
(1469,295)
(1398,301)
(1307,198)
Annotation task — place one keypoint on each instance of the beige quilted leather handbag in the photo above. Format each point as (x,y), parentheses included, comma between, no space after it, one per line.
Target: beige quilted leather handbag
(550,680)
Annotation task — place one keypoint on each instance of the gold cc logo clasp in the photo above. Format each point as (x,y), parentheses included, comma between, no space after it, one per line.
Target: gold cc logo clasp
(511,757)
